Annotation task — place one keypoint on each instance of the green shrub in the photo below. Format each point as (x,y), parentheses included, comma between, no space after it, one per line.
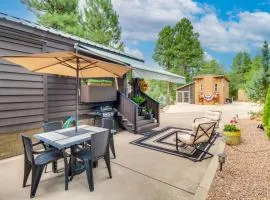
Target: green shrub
(267,130)
(138,99)
(266,110)
(230,128)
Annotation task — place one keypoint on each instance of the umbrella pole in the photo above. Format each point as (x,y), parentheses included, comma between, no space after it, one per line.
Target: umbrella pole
(77,95)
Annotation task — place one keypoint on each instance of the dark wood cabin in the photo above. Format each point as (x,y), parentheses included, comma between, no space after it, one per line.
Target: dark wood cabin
(27,100)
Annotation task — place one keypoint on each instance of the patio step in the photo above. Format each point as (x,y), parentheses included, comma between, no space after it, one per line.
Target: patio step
(139,118)
(124,120)
(143,125)
(144,122)
(147,127)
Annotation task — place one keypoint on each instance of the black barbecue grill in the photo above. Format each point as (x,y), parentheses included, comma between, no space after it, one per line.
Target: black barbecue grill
(103,112)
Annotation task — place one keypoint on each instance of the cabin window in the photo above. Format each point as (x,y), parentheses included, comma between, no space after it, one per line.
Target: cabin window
(215,88)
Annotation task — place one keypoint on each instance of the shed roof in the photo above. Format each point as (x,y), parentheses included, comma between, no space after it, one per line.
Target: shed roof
(212,75)
(182,86)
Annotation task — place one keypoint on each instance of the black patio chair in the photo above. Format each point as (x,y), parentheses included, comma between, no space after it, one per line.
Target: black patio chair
(48,127)
(52,126)
(203,133)
(36,164)
(109,124)
(98,149)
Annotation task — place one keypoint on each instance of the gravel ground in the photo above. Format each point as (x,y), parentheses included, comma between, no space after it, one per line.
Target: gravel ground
(246,173)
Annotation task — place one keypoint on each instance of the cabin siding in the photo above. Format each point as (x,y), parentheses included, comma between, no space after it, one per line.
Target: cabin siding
(28,99)
(21,92)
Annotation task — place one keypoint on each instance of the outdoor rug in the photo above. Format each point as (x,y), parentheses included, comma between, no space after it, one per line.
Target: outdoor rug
(163,140)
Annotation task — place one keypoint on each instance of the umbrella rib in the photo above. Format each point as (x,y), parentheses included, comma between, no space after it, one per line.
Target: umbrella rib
(101,68)
(62,61)
(88,66)
(66,64)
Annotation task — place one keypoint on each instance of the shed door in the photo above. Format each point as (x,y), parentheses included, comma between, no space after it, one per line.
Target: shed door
(183,97)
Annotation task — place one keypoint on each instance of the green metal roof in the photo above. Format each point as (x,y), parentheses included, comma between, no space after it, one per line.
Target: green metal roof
(141,70)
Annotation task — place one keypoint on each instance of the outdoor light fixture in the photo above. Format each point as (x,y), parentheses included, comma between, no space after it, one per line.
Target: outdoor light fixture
(221,160)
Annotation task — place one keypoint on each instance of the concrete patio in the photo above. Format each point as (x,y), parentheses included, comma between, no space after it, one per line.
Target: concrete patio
(138,173)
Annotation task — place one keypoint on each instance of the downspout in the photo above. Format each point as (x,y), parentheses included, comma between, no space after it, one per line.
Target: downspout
(77,88)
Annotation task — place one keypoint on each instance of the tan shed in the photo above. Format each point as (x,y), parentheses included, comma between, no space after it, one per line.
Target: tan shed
(205,89)
(242,95)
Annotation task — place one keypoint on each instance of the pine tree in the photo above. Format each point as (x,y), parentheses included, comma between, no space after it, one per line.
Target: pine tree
(97,21)
(254,83)
(101,23)
(258,79)
(178,49)
(240,69)
(58,14)
(266,113)
(266,65)
(211,67)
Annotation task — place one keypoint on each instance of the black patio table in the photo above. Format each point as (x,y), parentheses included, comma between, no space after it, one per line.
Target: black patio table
(67,138)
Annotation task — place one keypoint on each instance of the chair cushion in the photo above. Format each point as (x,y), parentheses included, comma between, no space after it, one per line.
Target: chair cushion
(198,122)
(189,139)
(84,154)
(204,132)
(213,116)
(186,138)
(48,157)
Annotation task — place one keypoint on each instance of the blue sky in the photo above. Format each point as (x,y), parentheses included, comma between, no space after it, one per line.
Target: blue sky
(225,27)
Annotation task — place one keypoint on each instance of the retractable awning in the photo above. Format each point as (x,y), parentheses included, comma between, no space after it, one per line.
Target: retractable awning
(140,69)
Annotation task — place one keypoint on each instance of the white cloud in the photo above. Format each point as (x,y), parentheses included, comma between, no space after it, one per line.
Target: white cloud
(141,20)
(135,52)
(208,57)
(247,31)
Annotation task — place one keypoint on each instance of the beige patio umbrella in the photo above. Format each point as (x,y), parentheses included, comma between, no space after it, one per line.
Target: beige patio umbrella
(67,63)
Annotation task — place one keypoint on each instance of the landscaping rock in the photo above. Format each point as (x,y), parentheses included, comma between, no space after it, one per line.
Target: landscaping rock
(246,173)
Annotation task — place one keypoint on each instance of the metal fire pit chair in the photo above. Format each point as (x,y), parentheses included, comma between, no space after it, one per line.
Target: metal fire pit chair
(203,133)
(209,116)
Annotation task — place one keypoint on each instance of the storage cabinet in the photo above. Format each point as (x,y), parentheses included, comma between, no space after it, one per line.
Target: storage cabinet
(95,94)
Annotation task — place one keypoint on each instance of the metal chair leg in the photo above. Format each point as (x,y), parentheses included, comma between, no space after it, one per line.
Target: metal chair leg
(89,174)
(66,169)
(108,164)
(36,175)
(176,141)
(27,170)
(112,147)
(206,152)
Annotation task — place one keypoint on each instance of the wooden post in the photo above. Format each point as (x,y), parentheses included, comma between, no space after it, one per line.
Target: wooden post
(45,97)
(116,83)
